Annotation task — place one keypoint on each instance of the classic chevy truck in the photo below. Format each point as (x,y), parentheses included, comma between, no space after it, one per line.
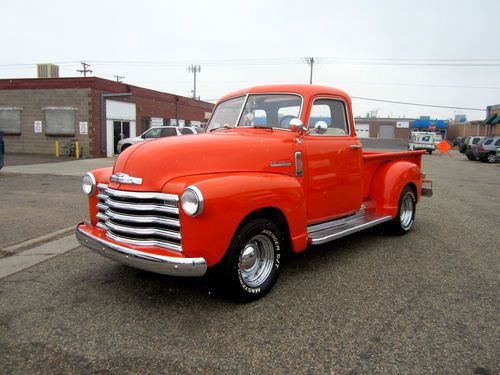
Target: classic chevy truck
(279,168)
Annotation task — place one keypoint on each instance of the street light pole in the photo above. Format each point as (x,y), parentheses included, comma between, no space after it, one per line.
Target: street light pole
(194,69)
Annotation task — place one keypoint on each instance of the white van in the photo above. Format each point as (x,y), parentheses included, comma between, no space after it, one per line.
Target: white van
(422,141)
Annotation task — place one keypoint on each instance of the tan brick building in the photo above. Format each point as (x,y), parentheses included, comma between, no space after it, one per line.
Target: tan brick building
(35,113)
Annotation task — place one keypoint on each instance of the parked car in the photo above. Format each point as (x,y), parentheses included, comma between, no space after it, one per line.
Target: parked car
(157,132)
(237,199)
(486,150)
(470,142)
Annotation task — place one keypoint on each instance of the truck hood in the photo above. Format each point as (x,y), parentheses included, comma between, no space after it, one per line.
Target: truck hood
(222,151)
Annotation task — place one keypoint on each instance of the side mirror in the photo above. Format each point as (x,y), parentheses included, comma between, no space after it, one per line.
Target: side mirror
(320,127)
(296,125)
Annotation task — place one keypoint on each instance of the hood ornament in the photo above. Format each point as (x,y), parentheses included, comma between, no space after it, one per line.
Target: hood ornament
(123,178)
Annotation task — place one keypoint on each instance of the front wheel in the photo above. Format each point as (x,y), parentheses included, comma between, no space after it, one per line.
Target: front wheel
(405,217)
(470,157)
(253,263)
(491,158)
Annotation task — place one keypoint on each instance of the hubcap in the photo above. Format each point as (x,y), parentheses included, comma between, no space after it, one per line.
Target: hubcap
(492,158)
(407,207)
(256,260)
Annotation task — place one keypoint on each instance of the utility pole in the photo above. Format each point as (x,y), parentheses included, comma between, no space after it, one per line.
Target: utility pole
(119,78)
(85,69)
(310,61)
(194,69)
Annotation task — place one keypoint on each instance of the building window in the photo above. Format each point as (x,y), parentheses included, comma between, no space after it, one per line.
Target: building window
(10,120)
(60,121)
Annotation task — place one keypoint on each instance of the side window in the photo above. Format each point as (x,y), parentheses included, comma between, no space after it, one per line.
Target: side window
(489,141)
(167,132)
(186,131)
(153,133)
(497,143)
(329,112)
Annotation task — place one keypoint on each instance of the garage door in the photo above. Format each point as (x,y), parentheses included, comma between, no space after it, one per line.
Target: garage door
(362,130)
(386,131)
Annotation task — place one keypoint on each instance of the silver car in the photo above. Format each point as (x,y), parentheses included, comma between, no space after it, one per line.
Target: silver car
(157,132)
(486,151)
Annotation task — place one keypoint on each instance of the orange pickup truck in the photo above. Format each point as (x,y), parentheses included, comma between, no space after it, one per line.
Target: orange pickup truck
(279,168)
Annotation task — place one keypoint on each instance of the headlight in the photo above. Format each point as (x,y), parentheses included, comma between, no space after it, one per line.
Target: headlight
(192,201)
(88,184)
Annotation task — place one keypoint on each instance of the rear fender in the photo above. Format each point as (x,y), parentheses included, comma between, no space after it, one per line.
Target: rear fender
(389,181)
(228,200)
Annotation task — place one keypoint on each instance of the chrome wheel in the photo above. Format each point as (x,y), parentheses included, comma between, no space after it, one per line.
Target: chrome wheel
(406,213)
(256,260)
(491,158)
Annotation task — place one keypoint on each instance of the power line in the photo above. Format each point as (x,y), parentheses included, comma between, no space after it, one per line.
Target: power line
(418,104)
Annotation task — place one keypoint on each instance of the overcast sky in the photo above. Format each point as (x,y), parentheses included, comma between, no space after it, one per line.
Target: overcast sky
(431,52)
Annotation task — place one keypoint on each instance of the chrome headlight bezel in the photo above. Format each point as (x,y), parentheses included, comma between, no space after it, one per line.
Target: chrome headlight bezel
(192,201)
(89,184)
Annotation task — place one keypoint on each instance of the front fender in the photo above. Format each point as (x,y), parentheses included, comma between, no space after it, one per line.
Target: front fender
(388,182)
(228,199)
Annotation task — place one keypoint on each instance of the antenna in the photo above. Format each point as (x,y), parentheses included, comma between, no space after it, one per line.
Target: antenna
(119,78)
(194,69)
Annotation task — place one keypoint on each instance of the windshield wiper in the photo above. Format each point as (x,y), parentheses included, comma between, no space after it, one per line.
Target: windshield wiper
(222,127)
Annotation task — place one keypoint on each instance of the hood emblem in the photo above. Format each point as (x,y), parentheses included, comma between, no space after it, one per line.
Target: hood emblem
(123,178)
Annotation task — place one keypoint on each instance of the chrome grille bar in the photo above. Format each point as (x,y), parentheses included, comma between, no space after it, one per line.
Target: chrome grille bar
(140,218)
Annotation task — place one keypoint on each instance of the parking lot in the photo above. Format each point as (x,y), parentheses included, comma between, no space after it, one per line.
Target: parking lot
(427,302)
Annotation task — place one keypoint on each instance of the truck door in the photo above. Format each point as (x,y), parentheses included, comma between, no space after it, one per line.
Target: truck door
(334,162)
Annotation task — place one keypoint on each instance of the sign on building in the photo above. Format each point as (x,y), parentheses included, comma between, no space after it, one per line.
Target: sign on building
(37,125)
(402,124)
(156,121)
(84,127)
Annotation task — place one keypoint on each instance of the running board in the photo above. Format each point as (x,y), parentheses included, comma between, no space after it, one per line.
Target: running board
(329,231)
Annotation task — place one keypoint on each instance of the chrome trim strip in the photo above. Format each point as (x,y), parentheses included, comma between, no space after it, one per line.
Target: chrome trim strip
(141,207)
(167,265)
(102,196)
(335,222)
(102,186)
(143,231)
(101,206)
(141,195)
(276,164)
(299,168)
(142,219)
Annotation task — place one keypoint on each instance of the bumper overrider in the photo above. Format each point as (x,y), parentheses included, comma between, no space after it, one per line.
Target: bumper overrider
(166,265)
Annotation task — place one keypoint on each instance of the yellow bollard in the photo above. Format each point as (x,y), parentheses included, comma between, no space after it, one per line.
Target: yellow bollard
(77,149)
(57,149)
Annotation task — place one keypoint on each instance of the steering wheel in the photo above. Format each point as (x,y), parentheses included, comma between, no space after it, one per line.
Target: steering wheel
(285,120)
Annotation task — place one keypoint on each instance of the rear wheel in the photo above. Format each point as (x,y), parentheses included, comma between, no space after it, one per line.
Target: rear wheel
(403,222)
(470,157)
(491,158)
(253,263)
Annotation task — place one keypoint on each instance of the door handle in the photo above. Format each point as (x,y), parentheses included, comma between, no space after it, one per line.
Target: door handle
(355,146)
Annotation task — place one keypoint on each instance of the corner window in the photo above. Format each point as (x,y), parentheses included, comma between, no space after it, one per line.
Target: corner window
(60,121)
(186,131)
(10,120)
(330,113)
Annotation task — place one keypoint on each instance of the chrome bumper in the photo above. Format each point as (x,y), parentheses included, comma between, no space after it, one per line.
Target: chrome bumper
(166,265)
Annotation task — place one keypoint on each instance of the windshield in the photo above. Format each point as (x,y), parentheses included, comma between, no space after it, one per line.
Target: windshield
(259,110)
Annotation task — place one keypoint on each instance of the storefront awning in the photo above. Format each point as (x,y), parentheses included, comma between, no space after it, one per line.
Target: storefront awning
(425,124)
(491,119)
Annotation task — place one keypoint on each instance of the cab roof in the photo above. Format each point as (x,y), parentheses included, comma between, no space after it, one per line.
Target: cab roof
(305,90)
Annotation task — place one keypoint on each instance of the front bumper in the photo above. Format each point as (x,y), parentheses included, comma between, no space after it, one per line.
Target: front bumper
(166,265)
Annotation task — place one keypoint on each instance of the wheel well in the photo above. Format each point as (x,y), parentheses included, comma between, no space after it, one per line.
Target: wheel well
(273,214)
(413,188)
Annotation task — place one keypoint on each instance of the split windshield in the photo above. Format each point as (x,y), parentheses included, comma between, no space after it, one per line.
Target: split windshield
(257,110)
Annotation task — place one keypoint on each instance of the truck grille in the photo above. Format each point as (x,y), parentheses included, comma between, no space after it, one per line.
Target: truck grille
(136,218)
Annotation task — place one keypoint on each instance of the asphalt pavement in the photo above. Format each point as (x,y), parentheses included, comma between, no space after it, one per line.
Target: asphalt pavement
(423,303)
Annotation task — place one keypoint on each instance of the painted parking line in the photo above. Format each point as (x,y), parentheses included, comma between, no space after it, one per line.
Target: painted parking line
(28,258)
